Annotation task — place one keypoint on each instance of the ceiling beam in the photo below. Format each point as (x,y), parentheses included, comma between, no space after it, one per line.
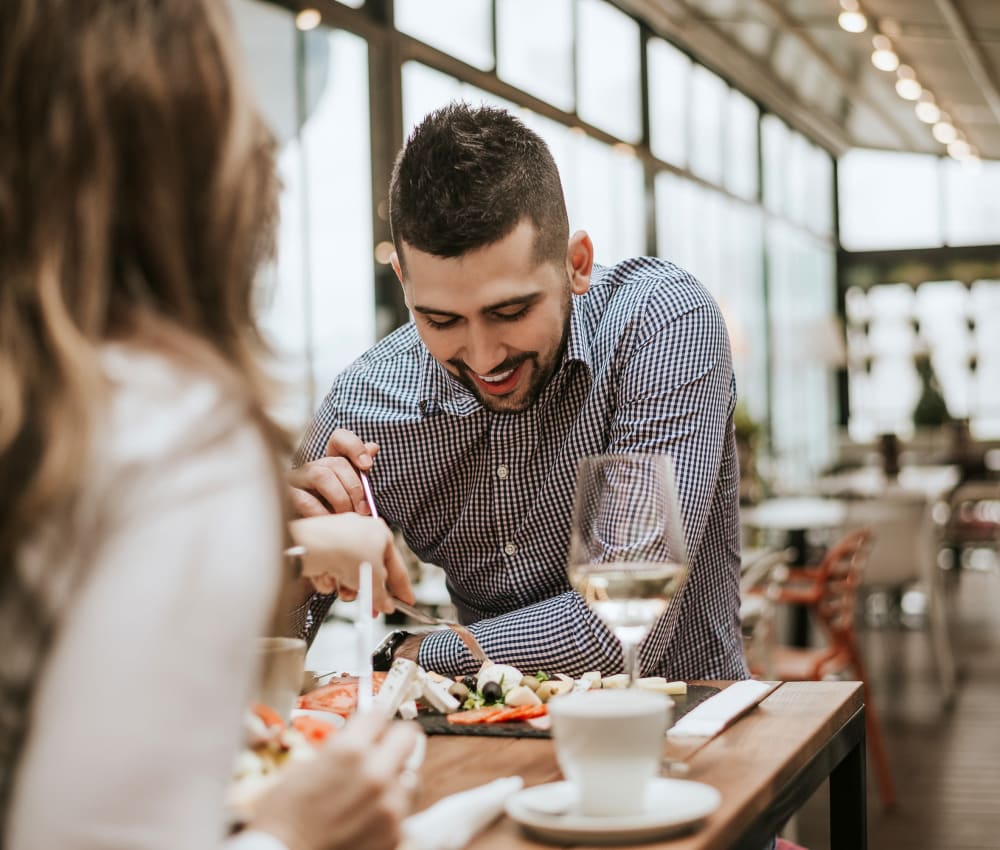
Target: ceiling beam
(971,55)
(687,28)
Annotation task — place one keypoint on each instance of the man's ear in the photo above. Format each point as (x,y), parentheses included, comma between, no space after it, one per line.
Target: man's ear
(396,267)
(579,261)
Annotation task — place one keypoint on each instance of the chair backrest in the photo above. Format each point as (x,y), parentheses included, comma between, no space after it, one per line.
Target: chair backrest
(903,537)
(839,575)
(761,570)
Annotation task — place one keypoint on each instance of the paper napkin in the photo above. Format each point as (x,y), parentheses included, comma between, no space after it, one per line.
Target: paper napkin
(454,821)
(717,712)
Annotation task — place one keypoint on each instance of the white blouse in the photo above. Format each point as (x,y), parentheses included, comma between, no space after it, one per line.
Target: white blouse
(135,721)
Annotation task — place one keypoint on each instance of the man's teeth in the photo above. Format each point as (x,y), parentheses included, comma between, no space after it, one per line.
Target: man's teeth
(496,379)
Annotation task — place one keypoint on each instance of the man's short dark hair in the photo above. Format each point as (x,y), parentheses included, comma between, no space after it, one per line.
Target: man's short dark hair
(467,176)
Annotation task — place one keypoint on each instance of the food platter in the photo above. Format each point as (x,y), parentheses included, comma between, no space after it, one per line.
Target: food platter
(473,705)
(437,724)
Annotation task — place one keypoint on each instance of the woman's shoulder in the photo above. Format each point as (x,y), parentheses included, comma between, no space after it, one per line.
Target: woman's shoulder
(159,404)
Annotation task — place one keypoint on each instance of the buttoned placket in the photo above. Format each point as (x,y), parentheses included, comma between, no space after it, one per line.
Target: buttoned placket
(511,439)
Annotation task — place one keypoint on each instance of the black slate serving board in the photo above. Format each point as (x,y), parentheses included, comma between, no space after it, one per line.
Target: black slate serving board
(437,724)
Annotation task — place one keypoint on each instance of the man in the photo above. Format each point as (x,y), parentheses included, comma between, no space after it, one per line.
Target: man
(522,357)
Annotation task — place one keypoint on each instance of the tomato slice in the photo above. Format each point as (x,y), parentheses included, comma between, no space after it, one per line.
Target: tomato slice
(340,696)
(268,715)
(314,730)
(520,712)
(477,715)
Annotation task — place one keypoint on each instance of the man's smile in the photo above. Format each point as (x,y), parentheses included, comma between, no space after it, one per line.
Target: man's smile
(499,383)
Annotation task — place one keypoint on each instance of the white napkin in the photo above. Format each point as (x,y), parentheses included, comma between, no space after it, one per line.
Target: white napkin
(453,822)
(717,712)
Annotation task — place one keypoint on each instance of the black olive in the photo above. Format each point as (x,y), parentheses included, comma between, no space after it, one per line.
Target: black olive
(492,692)
(469,682)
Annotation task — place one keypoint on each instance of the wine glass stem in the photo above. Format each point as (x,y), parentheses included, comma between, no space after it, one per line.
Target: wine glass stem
(630,652)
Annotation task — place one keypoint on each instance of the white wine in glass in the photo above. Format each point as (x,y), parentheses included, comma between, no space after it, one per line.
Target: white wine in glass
(628,557)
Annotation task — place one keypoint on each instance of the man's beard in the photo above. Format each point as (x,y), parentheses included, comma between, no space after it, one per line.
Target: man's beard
(540,376)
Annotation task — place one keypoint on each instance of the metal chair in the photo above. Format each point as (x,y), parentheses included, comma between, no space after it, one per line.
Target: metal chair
(760,584)
(904,553)
(830,591)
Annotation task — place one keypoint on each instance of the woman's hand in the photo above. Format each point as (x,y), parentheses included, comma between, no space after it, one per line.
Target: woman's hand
(350,797)
(336,544)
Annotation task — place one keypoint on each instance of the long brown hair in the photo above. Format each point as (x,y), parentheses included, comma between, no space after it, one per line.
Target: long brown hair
(137,198)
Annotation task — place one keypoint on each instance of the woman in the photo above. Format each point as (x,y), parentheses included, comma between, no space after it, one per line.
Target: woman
(141,527)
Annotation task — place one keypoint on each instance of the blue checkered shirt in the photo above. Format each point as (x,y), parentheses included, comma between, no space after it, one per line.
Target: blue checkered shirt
(488,496)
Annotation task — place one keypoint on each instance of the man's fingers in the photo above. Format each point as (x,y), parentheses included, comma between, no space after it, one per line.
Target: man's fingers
(352,493)
(306,504)
(347,444)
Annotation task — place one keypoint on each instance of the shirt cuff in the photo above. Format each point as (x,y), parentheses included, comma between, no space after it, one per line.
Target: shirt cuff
(444,653)
(253,839)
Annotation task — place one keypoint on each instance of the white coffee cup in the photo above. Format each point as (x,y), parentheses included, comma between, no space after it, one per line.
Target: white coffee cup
(609,745)
(280,661)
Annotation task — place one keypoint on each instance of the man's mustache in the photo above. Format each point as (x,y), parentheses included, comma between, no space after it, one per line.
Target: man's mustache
(509,363)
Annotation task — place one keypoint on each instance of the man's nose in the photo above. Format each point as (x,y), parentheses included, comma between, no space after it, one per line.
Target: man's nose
(483,351)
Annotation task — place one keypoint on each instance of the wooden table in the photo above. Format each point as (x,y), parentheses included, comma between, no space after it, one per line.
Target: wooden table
(766,766)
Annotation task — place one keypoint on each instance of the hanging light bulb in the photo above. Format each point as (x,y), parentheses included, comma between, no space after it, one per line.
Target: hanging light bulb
(851,18)
(907,86)
(308,19)
(944,131)
(926,109)
(884,58)
(959,149)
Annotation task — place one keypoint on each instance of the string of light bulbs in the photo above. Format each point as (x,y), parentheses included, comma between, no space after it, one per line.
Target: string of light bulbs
(853,19)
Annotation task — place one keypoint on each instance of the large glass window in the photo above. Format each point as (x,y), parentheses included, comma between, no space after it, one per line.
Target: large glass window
(669,78)
(607,63)
(741,169)
(774,141)
(889,200)
(317,303)
(819,206)
(463,28)
(607,198)
(972,202)
(806,351)
(708,103)
(339,212)
(892,325)
(535,48)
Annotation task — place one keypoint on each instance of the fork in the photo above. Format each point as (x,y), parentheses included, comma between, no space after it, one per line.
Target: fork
(463,633)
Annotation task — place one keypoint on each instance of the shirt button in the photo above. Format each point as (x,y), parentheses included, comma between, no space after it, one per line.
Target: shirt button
(510,549)
(502,472)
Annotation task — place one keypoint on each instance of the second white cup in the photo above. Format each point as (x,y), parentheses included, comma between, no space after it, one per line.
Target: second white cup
(609,745)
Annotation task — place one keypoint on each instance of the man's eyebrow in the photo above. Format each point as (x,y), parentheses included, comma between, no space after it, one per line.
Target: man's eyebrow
(517,300)
(418,308)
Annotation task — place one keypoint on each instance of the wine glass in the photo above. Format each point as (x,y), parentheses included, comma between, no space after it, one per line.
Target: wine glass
(627,556)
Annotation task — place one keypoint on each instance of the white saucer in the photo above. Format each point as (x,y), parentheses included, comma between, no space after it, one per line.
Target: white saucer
(672,806)
(327,716)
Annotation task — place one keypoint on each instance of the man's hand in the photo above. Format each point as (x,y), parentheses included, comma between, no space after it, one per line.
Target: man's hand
(331,484)
(409,648)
